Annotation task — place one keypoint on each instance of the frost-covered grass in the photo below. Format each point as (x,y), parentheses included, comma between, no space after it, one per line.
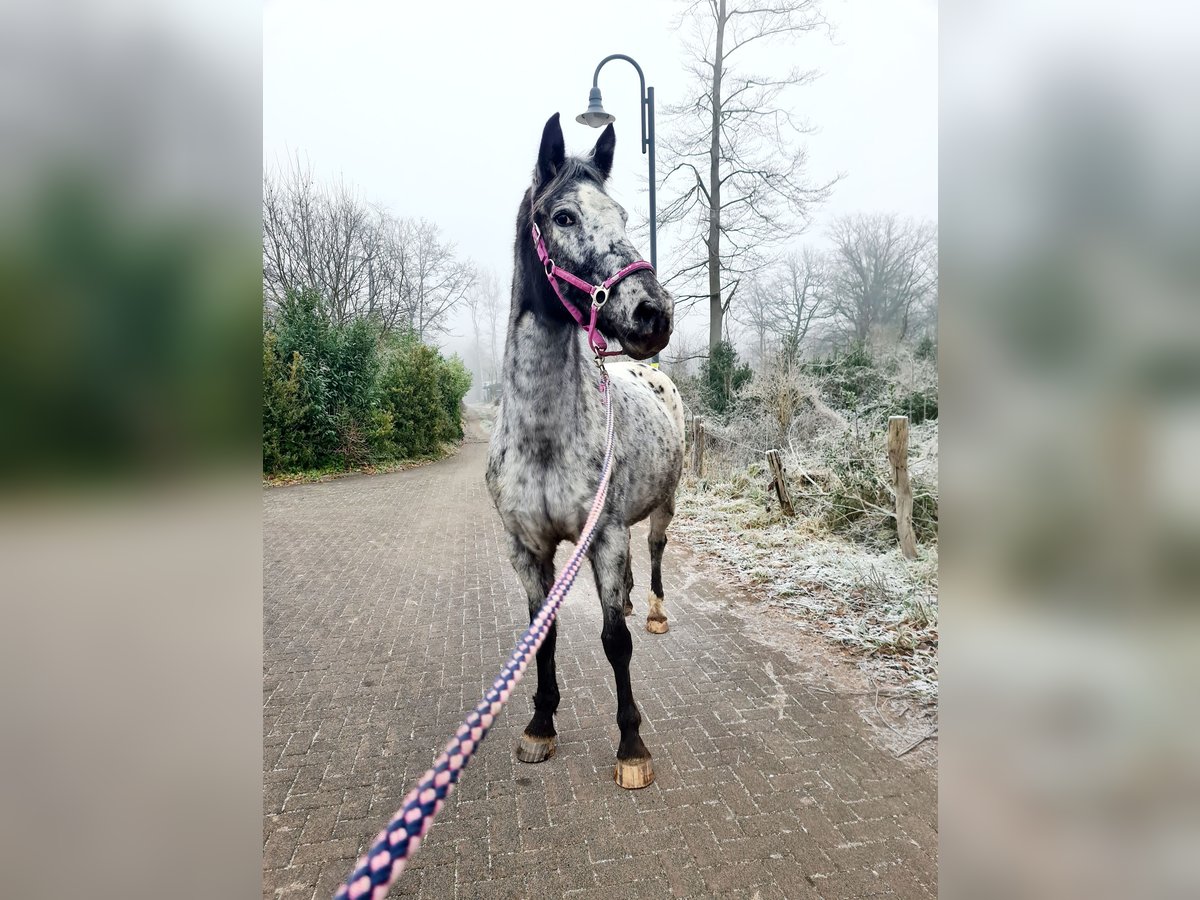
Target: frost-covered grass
(836,564)
(863,597)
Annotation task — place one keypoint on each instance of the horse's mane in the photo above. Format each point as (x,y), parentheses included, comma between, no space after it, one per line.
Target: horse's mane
(574,168)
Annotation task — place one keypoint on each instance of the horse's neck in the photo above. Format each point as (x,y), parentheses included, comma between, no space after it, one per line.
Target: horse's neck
(546,374)
(548,369)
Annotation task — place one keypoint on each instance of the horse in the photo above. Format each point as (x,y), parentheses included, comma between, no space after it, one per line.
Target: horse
(548,442)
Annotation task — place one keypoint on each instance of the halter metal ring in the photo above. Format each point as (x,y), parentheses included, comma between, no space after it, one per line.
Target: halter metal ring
(599,296)
(549,267)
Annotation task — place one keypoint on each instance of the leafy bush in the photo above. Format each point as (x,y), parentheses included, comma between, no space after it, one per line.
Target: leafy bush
(454,380)
(304,345)
(345,396)
(284,410)
(412,393)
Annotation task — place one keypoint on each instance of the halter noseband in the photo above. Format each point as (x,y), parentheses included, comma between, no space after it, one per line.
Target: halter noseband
(598,292)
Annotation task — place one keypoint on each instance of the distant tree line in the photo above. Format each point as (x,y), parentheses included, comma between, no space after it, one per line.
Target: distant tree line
(878,282)
(834,315)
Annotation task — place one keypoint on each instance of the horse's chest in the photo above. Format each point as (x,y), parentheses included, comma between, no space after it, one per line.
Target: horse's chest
(540,504)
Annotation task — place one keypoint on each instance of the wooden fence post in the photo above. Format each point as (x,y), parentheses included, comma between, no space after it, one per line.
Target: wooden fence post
(781,489)
(897,446)
(698,446)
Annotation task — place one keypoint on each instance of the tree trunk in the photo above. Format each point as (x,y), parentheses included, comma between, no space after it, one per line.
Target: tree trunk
(715,311)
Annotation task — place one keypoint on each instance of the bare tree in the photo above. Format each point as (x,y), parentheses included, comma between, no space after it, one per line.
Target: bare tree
(804,300)
(782,304)
(390,301)
(363,262)
(495,315)
(473,300)
(884,274)
(686,348)
(483,303)
(736,161)
(756,311)
(319,237)
(438,279)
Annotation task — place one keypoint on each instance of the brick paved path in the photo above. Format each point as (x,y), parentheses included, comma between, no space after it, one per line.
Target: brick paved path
(390,605)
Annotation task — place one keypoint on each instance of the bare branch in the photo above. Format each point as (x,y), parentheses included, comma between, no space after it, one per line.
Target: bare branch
(736,164)
(363,262)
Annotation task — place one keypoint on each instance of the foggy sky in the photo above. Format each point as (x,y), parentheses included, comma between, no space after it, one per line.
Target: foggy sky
(436,110)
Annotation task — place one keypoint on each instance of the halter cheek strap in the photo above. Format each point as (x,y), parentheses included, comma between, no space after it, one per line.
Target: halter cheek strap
(598,292)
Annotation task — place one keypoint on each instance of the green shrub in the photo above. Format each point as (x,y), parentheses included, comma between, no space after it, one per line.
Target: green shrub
(919,405)
(423,393)
(305,342)
(410,394)
(345,396)
(454,380)
(722,378)
(284,411)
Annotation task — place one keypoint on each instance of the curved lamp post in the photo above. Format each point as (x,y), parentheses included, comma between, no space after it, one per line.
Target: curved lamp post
(598,118)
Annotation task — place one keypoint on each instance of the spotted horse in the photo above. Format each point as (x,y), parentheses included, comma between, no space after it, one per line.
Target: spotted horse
(548,443)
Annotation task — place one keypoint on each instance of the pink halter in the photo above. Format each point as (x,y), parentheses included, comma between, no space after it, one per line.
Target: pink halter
(598,292)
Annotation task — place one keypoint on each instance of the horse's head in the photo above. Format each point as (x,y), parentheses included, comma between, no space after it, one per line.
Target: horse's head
(584,231)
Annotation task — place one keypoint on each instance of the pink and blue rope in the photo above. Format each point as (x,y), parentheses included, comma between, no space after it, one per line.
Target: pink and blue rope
(380,866)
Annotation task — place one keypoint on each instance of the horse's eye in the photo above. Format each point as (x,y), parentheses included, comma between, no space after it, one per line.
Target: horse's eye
(564,219)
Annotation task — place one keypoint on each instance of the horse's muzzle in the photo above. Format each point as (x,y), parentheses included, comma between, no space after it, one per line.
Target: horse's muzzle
(650,329)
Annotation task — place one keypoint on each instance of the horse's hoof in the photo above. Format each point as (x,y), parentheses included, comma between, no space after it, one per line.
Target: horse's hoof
(634,774)
(656,619)
(535,749)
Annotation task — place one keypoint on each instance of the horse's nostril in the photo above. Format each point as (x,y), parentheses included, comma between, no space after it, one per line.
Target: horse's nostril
(648,316)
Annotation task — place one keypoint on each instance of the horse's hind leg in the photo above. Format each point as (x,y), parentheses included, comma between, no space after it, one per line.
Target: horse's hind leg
(609,555)
(536,574)
(656,619)
(628,609)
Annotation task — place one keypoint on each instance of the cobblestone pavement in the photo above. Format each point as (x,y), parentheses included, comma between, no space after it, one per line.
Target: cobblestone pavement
(389,607)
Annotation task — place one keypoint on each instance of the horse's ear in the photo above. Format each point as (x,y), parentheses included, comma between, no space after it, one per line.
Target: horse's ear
(552,153)
(602,153)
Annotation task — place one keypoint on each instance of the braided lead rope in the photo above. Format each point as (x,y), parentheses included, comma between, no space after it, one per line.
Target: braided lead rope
(380,866)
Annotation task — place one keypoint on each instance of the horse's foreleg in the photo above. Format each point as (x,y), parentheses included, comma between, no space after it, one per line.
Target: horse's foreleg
(656,619)
(536,574)
(609,555)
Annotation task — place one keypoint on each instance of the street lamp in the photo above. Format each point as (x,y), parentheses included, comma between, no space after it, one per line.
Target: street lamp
(598,118)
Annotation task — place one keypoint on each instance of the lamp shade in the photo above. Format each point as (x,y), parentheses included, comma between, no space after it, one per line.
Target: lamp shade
(595,115)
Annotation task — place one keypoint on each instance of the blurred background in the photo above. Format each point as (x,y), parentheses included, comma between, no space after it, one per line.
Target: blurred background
(129,413)
(1070,355)
(1069,333)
